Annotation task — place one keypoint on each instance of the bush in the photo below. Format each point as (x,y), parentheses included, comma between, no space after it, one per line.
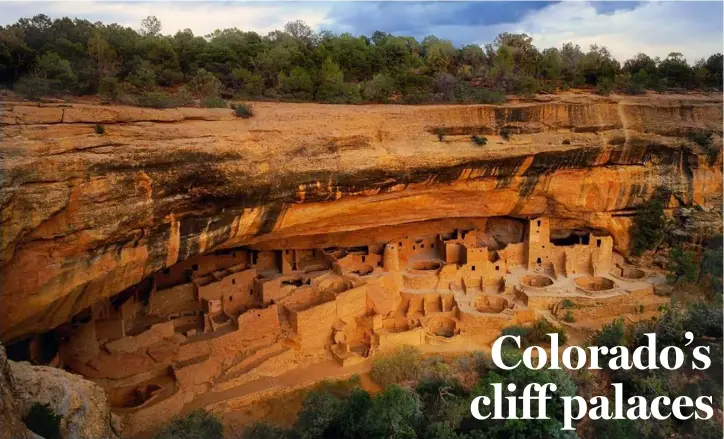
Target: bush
(541,329)
(262,430)
(682,266)
(213,102)
(109,89)
(100,129)
(378,89)
(155,99)
(244,110)
(338,93)
(143,77)
(183,97)
(568,317)
(610,335)
(205,84)
(198,424)
(44,421)
(320,411)
(604,86)
(403,364)
(440,133)
(480,140)
(33,87)
(567,304)
(647,230)
(706,141)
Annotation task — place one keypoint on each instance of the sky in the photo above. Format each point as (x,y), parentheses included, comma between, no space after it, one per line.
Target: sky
(693,28)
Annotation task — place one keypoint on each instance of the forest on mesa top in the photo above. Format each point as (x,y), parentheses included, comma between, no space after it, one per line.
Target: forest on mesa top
(44,57)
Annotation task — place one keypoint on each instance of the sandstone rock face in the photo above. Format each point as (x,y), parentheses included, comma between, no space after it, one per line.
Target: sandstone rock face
(84,216)
(82,404)
(11,424)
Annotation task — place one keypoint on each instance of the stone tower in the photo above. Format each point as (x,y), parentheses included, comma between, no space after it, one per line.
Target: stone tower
(391,258)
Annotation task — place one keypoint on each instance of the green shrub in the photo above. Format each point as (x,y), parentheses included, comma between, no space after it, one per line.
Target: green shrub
(706,141)
(109,89)
(682,265)
(567,304)
(440,133)
(155,99)
(378,89)
(403,364)
(205,84)
(604,86)
(183,98)
(244,110)
(647,230)
(44,421)
(610,335)
(213,102)
(568,317)
(541,329)
(320,411)
(480,140)
(33,87)
(100,129)
(198,424)
(262,430)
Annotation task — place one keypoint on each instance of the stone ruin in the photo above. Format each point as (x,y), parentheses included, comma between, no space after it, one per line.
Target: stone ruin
(210,322)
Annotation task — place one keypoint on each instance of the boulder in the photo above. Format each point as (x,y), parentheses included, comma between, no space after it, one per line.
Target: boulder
(82,404)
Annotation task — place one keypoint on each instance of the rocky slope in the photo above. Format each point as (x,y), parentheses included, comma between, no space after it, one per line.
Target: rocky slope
(84,216)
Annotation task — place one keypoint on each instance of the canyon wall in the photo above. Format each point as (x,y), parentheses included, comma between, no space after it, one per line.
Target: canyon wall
(84,216)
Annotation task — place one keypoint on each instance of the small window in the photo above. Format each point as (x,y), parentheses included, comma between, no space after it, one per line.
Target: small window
(195,267)
(598,243)
(497,268)
(539,261)
(166,271)
(422,245)
(473,267)
(363,258)
(251,292)
(542,246)
(432,245)
(538,223)
(229,298)
(413,247)
(400,244)
(233,281)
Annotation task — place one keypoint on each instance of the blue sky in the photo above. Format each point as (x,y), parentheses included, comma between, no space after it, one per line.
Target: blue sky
(626,28)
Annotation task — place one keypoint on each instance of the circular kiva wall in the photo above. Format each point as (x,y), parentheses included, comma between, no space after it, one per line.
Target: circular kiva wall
(594,283)
(631,273)
(441,326)
(490,304)
(426,265)
(536,281)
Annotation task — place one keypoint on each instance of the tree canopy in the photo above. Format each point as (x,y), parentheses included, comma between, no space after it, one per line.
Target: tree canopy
(40,56)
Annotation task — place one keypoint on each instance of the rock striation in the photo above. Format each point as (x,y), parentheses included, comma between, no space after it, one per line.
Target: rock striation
(85,216)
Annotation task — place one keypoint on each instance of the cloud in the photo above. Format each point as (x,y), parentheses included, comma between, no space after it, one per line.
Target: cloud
(655,28)
(201,17)
(626,28)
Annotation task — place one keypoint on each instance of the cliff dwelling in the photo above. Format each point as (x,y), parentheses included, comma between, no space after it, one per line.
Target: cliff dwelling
(199,325)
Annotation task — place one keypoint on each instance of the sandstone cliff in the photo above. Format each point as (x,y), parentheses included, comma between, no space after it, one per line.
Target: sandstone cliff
(85,216)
